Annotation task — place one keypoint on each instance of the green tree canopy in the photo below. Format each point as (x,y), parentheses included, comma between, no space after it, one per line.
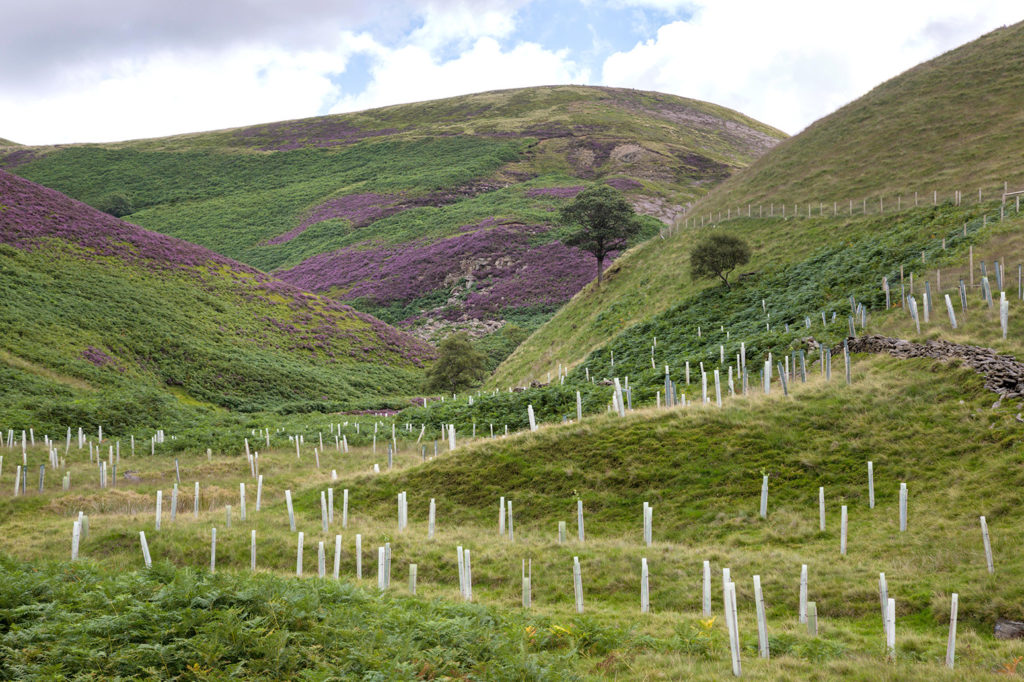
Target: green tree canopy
(117,204)
(717,256)
(604,220)
(459,365)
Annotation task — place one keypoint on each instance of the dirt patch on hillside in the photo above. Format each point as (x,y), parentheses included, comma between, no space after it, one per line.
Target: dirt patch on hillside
(628,153)
(659,208)
(755,140)
(588,155)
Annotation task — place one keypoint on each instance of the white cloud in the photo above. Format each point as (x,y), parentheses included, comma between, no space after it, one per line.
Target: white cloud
(788,63)
(187,79)
(662,5)
(461,24)
(412,73)
(131,70)
(168,93)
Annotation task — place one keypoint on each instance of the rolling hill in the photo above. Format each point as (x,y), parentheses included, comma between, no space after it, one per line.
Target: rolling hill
(927,424)
(922,131)
(110,323)
(949,124)
(428,215)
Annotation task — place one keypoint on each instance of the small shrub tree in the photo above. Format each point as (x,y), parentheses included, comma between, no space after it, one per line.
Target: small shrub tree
(117,204)
(605,222)
(459,365)
(717,256)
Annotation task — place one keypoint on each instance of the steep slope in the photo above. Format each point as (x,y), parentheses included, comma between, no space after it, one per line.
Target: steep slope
(952,123)
(429,215)
(949,124)
(106,317)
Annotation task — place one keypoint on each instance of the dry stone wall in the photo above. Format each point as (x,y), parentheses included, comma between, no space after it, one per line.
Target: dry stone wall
(1003,374)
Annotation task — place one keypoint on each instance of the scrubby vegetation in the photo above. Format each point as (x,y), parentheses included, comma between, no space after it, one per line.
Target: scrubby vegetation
(919,133)
(279,381)
(65,620)
(116,325)
(436,215)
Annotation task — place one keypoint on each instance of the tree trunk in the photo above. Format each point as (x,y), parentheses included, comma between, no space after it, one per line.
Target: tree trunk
(600,263)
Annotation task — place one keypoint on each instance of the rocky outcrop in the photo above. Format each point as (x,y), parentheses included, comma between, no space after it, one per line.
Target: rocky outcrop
(1003,374)
(1009,629)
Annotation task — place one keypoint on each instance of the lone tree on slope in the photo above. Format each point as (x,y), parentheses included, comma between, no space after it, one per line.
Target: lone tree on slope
(117,204)
(459,365)
(605,222)
(718,256)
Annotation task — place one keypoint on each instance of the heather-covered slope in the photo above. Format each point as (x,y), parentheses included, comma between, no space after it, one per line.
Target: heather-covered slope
(429,215)
(99,312)
(948,124)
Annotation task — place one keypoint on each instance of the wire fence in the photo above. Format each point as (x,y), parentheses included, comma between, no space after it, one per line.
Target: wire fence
(879,205)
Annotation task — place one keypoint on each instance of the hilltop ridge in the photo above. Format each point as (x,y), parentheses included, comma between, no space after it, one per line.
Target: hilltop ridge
(951,123)
(463,189)
(922,131)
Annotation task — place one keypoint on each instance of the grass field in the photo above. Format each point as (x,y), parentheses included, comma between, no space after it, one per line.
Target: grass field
(919,422)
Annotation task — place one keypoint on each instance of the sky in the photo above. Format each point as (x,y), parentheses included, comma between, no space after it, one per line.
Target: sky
(107,70)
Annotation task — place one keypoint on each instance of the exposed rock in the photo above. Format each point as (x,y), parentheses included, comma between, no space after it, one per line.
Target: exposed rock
(1009,629)
(810,342)
(1003,374)
(435,329)
(656,207)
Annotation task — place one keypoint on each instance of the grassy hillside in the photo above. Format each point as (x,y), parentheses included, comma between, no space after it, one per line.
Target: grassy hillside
(798,268)
(113,324)
(924,130)
(700,468)
(951,123)
(428,215)
(920,422)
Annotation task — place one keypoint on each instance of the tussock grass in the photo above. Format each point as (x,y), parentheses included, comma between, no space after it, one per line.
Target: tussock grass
(700,468)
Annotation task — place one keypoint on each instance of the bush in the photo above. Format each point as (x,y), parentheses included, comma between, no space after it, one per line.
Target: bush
(459,365)
(117,204)
(718,256)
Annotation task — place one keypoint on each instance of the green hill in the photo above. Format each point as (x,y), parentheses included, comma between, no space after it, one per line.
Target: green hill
(949,124)
(924,130)
(928,424)
(918,422)
(428,215)
(110,323)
